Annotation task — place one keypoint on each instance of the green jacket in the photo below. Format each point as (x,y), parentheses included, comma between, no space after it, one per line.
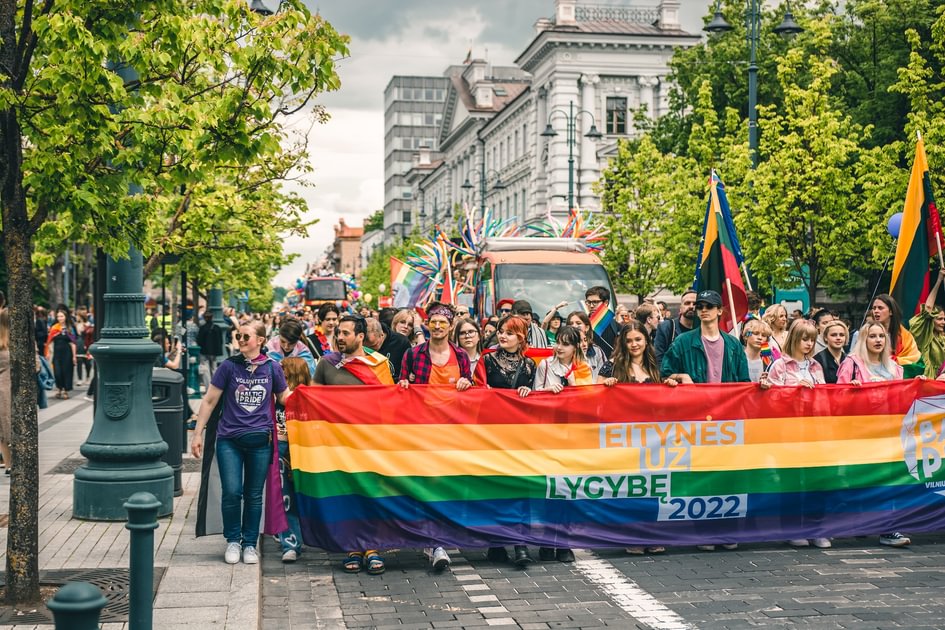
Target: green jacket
(687,356)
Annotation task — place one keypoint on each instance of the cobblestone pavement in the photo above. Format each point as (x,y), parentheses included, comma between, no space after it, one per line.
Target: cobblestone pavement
(857,584)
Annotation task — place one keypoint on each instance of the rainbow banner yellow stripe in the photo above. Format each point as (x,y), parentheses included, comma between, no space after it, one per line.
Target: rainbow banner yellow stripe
(597,467)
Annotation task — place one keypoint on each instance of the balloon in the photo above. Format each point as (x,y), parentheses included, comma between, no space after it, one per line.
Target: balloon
(368,298)
(382,287)
(895,222)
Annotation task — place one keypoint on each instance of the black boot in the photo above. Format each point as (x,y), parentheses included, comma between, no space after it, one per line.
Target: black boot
(522,559)
(564,555)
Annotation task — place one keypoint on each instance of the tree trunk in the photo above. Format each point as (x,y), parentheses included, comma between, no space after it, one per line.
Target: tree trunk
(54,277)
(22,567)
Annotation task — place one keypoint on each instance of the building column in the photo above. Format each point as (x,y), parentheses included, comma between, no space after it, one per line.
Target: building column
(537,145)
(589,171)
(646,94)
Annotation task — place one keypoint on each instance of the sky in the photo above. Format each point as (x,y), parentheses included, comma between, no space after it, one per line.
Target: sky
(398,37)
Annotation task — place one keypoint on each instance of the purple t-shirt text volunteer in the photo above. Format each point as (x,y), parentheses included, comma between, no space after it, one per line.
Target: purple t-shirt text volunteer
(247,391)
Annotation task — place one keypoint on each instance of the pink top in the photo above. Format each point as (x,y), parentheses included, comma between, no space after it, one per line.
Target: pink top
(788,371)
(854,368)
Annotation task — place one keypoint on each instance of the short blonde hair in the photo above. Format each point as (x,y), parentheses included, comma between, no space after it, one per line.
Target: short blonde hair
(837,323)
(751,326)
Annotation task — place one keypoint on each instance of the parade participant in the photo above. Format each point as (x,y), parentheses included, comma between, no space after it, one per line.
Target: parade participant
(503,308)
(669,329)
(536,336)
(821,318)
(551,324)
(297,373)
(623,315)
(323,337)
(754,336)
(61,350)
(776,316)
(835,336)
(593,354)
(928,329)
(905,352)
(210,340)
(386,342)
(598,298)
(870,361)
(648,315)
(247,385)
(467,336)
(489,329)
(289,344)
(509,368)
(796,366)
(407,323)
(633,360)
(566,367)
(706,354)
(353,364)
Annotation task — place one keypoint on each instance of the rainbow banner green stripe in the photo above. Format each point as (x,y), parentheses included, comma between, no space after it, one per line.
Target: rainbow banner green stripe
(630,465)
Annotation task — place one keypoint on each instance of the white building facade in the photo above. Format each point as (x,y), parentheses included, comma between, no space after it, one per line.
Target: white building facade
(588,66)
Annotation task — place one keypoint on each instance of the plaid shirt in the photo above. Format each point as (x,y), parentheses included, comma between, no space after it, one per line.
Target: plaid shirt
(417,364)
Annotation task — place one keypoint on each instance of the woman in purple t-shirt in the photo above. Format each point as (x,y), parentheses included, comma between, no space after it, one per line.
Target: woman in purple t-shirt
(246,383)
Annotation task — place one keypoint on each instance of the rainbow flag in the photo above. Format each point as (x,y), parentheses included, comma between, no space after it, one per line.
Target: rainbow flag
(601,318)
(410,284)
(909,285)
(609,467)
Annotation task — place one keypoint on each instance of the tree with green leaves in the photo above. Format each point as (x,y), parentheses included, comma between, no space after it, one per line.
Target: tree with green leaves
(807,218)
(198,128)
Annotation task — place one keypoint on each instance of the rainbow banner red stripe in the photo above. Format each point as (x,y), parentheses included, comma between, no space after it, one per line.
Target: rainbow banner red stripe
(382,467)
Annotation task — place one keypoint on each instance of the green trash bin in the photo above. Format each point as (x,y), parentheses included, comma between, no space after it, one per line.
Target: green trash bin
(166,398)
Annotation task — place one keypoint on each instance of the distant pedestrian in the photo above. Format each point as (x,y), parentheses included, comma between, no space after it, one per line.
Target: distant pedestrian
(61,351)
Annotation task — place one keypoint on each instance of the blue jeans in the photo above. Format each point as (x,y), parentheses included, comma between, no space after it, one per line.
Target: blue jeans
(291,539)
(244,464)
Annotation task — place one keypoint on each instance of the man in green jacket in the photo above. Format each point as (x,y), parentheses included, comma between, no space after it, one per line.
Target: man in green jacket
(706,354)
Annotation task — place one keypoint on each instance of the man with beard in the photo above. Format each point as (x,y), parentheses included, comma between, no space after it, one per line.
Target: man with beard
(437,362)
(353,364)
(387,342)
(669,329)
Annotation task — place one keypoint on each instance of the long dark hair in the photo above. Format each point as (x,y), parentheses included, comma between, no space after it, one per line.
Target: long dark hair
(458,327)
(581,315)
(571,336)
(895,318)
(621,357)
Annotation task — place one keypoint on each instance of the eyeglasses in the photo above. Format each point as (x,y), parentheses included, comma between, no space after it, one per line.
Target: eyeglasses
(438,324)
(468,333)
(594,302)
(242,337)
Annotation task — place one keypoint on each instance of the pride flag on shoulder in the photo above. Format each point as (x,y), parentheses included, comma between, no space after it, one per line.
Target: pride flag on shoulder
(600,317)
(920,235)
(717,267)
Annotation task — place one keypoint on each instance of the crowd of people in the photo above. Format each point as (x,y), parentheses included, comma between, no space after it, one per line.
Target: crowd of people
(523,351)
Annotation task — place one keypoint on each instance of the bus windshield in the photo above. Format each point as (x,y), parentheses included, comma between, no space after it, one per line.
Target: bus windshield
(328,289)
(545,285)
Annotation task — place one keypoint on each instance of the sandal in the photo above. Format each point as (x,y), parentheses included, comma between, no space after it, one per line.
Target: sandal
(65,395)
(352,563)
(655,550)
(375,563)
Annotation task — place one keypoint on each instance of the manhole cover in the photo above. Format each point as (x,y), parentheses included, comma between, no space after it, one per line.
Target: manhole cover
(69,465)
(112,582)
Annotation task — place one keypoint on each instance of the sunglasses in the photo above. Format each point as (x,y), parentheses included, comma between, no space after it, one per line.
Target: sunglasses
(702,306)
(242,337)
(505,310)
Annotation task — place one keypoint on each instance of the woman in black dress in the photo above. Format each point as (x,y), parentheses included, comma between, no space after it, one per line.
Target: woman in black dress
(61,351)
(509,368)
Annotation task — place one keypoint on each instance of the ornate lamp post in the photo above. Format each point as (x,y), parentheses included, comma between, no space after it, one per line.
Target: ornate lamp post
(571,117)
(787,28)
(483,176)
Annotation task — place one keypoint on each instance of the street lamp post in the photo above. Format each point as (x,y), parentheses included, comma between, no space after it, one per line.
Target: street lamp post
(571,117)
(787,28)
(484,176)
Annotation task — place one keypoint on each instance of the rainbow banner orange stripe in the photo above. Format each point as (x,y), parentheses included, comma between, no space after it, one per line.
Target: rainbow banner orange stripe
(602,467)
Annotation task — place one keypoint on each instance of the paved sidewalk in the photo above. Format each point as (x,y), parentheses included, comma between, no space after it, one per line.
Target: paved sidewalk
(198,589)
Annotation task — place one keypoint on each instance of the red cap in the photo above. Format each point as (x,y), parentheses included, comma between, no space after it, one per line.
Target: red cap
(508,301)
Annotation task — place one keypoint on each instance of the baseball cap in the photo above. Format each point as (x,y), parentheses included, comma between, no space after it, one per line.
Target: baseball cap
(709,297)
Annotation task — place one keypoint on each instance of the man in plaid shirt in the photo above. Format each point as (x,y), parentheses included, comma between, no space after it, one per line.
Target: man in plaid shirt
(437,362)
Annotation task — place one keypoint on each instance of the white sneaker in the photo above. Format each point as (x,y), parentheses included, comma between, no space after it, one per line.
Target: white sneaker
(730,546)
(440,559)
(290,556)
(821,543)
(232,554)
(799,542)
(250,556)
(706,547)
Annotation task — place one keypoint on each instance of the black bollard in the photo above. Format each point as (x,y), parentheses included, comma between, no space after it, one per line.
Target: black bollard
(142,521)
(77,606)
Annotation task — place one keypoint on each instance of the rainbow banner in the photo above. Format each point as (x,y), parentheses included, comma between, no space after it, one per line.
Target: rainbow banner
(591,467)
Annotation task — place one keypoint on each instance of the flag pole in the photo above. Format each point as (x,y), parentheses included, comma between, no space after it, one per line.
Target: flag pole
(938,245)
(745,271)
(731,300)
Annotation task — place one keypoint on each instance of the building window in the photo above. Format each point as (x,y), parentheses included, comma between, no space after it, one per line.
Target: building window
(406,217)
(616,115)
